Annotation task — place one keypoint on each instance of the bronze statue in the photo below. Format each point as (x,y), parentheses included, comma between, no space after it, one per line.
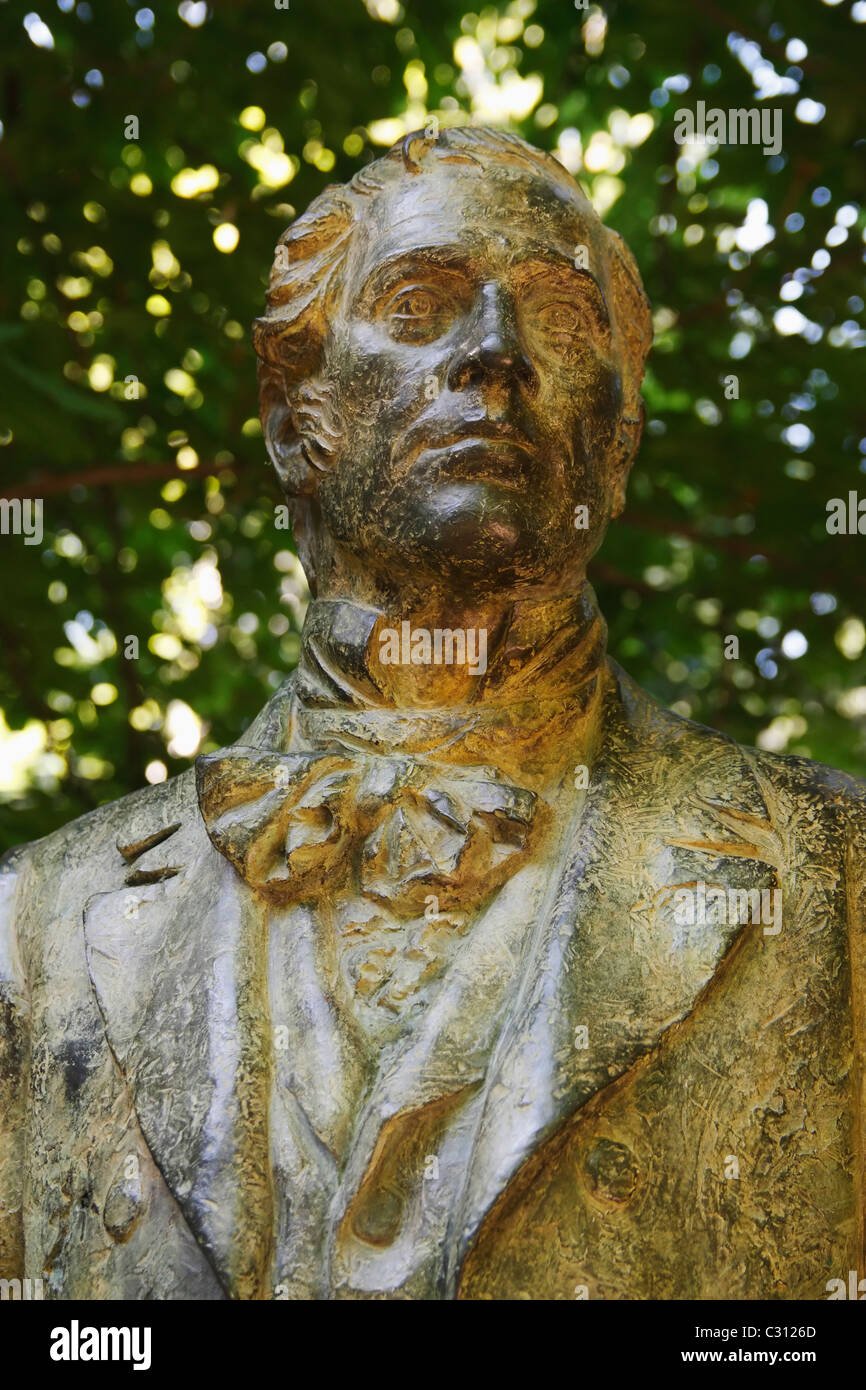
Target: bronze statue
(471,972)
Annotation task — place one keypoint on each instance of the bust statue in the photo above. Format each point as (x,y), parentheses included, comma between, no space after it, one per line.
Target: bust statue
(470,971)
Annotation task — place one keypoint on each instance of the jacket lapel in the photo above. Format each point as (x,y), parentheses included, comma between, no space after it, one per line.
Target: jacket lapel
(177,963)
(612,967)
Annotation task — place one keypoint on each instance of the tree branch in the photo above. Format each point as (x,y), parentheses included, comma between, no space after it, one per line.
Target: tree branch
(48,484)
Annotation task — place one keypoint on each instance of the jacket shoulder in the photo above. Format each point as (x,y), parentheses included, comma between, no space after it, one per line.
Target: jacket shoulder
(793,787)
(812,783)
(40,880)
(118,824)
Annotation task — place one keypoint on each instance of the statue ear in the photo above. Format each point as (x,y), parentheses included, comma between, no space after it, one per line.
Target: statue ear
(283,440)
(628,440)
(289,454)
(632,315)
(634,328)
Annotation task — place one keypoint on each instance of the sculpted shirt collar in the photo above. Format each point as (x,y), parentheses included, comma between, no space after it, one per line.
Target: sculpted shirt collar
(545,668)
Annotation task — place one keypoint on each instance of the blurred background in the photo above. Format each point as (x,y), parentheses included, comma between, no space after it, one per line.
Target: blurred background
(149,159)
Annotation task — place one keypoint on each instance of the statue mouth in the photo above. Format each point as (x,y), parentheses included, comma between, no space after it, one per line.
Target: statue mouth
(505,459)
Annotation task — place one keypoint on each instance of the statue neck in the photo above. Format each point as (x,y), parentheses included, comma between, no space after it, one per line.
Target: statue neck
(434,657)
(537,694)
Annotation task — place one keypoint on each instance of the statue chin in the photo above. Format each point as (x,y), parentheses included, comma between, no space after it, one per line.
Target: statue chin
(480,531)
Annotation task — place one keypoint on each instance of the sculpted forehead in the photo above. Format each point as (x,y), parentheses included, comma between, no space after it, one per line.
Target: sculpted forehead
(494,210)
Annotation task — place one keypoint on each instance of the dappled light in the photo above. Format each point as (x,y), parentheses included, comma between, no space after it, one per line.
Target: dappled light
(164,600)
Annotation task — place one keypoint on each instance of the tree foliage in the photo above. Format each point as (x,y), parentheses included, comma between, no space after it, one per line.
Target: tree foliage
(128,379)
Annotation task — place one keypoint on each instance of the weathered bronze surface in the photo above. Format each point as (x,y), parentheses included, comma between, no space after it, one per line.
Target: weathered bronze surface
(399,997)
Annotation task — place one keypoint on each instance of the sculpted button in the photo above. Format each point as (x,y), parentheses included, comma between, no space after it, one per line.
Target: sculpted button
(124,1203)
(377,1220)
(611,1170)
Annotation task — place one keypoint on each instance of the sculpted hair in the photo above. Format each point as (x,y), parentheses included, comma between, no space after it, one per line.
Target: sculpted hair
(300,427)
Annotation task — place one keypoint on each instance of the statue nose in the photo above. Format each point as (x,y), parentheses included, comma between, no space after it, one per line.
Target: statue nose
(492,346)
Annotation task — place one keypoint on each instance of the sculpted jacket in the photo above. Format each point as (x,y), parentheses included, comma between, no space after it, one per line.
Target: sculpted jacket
(385,1003)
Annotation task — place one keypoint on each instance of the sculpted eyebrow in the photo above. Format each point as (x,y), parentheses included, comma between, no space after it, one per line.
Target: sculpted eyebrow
(407,264)
(583,282)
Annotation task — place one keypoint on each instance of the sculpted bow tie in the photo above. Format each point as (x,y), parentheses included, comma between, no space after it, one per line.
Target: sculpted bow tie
(393,829)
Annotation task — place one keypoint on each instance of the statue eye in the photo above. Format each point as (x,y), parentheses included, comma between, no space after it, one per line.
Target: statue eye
(559,318)
(413,304)
(417,313)
(568,325)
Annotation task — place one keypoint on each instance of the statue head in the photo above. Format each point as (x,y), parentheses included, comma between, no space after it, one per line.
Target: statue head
(450,366)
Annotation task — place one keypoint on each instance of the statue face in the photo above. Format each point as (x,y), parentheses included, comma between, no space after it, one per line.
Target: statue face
(477,380)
